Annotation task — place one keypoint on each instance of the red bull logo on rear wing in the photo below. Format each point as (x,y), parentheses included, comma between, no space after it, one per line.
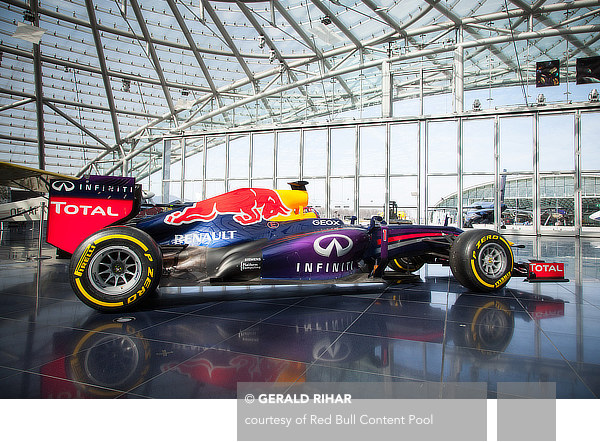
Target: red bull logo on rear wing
(248,206)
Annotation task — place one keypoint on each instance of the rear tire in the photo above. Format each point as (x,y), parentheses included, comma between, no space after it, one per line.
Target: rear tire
(481,260)
(115,269)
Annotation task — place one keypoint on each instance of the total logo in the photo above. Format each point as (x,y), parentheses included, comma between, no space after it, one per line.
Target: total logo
(325,245)
(552,267)
(61,207)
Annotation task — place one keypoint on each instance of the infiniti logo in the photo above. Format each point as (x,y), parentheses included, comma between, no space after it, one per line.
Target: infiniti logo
(324,247)
(325,350)
(64,186)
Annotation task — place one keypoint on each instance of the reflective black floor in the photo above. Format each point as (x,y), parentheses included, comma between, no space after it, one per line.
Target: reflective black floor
(426,328)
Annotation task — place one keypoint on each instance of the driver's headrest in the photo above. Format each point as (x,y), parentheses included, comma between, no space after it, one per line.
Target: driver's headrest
(298,185)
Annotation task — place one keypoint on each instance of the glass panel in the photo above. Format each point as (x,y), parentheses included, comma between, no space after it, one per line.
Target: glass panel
(263,147)
(556,143)
(442,147)
(192,191)
(372,150)
(317,195)
(342,197)
(156,185)
(590,201)
(406,107)
(343,142)
(239,155)
(174,191)
(176,171)
(404,149)
(315,153)
(194,163)
(442,201)
(557,203)
(590,147)
(404,193)
(478,199)
(516,144)
(214,188)
(237,184)
(519,203)
(282,183)
(371,194)
(263,183)
(175,160)
(478,188)
(215,158)
(436,104)
(288,155)
(478,145)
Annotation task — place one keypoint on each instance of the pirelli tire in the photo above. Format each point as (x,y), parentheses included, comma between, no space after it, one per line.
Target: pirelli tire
(481,260)
(115,269)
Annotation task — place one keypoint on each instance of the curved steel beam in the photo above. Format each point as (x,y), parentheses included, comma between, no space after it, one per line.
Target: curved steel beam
(155,61)
(375,63)
(102,61)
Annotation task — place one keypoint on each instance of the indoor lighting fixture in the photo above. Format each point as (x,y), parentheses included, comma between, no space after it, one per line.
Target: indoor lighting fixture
(476,105)
(541,100)
(593,96)
(28,16)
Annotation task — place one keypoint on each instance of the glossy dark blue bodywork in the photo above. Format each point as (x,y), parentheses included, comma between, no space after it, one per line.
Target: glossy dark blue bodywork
(309,249)
(225,231)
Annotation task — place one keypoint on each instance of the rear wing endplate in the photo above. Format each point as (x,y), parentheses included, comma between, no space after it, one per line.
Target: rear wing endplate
(82,207)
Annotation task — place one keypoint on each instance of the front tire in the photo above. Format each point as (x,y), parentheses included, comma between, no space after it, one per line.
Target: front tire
(481,260)
(115,269)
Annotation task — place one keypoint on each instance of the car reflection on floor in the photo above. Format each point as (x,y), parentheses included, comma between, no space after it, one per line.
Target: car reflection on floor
(394,336)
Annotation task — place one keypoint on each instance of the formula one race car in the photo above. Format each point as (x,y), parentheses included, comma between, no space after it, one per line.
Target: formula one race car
(248,235)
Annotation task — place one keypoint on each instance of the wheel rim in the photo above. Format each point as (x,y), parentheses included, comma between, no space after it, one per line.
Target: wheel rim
(123,354)
(408,264)
(115,270)
(492,260)
(492,326)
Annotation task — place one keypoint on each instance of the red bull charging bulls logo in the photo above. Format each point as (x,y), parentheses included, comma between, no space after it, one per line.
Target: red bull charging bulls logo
(248,206)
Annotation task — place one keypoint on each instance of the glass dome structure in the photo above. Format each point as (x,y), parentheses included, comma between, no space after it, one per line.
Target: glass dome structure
(94,86)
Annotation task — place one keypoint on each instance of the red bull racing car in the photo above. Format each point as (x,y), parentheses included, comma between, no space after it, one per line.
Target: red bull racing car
(248,235)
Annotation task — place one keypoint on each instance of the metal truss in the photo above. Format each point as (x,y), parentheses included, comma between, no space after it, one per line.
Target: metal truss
(175,68)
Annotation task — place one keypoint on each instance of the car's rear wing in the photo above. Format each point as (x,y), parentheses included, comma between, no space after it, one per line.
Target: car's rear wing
(81,207)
